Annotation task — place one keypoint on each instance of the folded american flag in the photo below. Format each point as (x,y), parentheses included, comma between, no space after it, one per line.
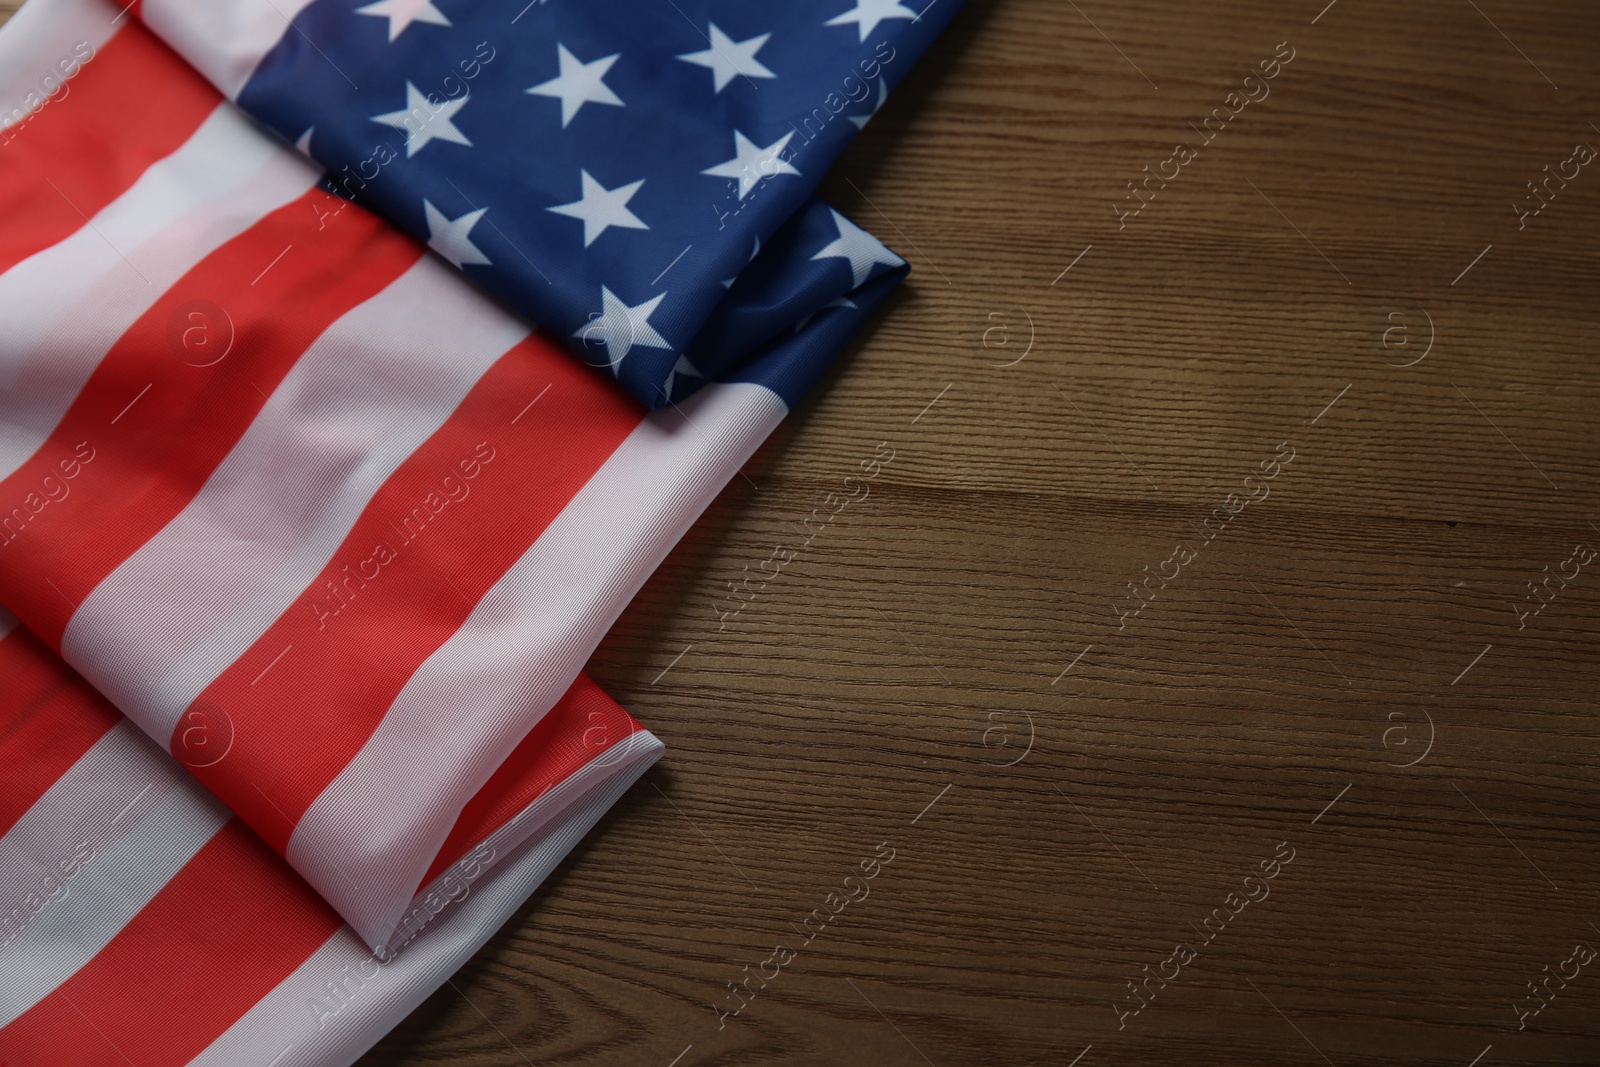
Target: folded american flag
(333,527)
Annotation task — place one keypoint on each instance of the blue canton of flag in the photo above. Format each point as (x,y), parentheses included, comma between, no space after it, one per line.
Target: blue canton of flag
(636,178)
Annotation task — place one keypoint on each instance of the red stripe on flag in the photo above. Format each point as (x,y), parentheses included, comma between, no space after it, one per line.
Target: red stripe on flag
(49,717)
(228,927)
(583,726)
(135,102)
(442,529)
(149,427)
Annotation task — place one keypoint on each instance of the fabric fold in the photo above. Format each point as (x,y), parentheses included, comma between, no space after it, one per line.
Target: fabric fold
(141,922)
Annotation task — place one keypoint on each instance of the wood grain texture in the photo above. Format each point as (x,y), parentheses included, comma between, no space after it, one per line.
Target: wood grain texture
(915,642)
(1340,668)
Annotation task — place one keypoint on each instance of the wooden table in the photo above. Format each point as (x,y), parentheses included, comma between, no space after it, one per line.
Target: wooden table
(1095,707)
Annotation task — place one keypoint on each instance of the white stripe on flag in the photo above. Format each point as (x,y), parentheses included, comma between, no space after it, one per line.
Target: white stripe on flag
(62,309)
(106,835)
(342,999)
(40,38)
(519,650)
(224,41)
(377,383)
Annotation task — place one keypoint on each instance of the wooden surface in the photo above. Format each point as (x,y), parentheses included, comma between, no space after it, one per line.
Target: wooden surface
(1339,672)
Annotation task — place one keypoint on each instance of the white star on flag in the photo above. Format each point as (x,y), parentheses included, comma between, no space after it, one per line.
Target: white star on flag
(862,120)
(600,208)
(868,13)
(425,121)
(857,247)
(578,83)
(452,238)
(751,163)
(402,13)
(728,58)
(622,328)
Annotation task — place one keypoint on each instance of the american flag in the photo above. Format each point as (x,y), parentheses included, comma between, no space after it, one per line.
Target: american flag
(335,528)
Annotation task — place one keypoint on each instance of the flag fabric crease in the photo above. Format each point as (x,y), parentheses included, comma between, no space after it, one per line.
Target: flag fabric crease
(144,923)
